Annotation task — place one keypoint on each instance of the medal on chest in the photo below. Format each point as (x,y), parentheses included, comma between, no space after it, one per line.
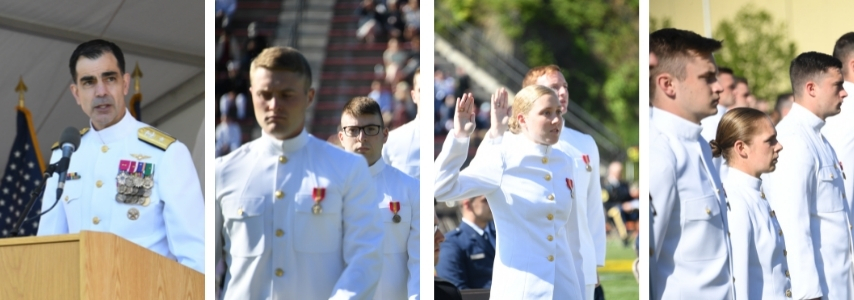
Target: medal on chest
(571,187)
(842,170)
(394,206)
(134,182)
(318,195)
(586,159)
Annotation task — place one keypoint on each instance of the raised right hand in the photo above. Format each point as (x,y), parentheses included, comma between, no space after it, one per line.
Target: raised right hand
(464,117)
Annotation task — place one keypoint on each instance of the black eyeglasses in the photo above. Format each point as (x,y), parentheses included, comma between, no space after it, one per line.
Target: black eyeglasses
(353,131)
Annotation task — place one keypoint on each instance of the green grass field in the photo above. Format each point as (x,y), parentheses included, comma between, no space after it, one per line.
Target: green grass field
(617,280)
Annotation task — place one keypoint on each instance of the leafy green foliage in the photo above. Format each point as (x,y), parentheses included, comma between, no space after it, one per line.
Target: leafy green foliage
(756,48)
(594,42)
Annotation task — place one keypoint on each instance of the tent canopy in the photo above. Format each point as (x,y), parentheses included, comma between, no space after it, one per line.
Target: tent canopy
(37,37)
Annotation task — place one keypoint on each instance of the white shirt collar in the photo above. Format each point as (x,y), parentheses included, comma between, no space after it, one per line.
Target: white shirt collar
(806,117)
(378,167)
(279,147)
(523,143)
(474,226)
(672,124)
(738,177)
(116,131)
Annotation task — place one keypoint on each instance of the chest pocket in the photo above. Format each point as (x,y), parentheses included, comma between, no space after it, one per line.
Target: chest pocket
(71,204)
(318,233)
(702,220)
(829,190)
(396,234)
(244,224)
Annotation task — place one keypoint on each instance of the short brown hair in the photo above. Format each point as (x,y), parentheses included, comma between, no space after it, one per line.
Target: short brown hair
(673,47)
(533,74)
(523,102)
(363,106)
(283,59)
(737,124)
(844,48)
(810,66)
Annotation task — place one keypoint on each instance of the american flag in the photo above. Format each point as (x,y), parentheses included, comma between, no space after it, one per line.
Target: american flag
(23,174)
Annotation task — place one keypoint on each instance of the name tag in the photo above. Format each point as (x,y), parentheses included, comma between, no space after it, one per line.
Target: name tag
(477,256)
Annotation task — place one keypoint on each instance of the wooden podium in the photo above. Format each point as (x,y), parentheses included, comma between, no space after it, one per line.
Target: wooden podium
(91,265)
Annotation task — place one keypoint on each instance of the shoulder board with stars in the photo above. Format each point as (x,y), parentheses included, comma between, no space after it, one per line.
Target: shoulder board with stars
(56,145)
(155,137)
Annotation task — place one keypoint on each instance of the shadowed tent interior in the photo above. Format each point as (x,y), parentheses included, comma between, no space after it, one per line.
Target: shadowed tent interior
(165,37)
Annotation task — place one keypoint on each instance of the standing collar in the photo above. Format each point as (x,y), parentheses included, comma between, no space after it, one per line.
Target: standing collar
(378,167)
(806,117)
(473,226)
(526,145)
(116,131)
(291,145)
(672,124)
(738,177)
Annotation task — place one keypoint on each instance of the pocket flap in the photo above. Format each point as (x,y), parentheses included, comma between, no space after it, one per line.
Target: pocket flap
(239,208)
(701,209)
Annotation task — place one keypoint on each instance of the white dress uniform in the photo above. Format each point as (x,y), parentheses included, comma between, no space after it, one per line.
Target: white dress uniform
(691,247)
(591,217)
(710,124)
(527,186)
(839,132)
(400,278)
(275,245)
(757,241)
(807,193)
(402,150)
(172,221)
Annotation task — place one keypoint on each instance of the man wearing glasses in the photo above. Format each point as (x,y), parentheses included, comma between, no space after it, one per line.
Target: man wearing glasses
(296,218)
(362,132)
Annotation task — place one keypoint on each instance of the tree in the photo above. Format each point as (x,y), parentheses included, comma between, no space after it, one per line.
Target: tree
(756,48)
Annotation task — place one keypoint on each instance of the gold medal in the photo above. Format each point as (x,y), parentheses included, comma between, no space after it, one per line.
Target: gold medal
(394,206)
(318,195)
(586,159)
(146,201)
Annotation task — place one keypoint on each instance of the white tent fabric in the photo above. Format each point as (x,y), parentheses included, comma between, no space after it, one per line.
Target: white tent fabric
(37,37)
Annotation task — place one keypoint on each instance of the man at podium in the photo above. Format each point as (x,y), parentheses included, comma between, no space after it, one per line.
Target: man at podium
(126,177)
(296,217)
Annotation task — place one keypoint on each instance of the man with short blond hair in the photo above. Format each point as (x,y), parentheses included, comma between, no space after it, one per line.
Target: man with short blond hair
(296,217)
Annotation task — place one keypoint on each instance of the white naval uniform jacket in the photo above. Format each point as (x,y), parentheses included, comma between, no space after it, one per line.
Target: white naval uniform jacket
(400,278)
(591,217)
(275,247)
(691,247)
(839,132)
(525,184)
(757,241)
(171,225)
(807,194)
(403,149)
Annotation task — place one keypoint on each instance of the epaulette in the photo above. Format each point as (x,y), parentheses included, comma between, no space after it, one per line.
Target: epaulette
(82,132)
(156,138)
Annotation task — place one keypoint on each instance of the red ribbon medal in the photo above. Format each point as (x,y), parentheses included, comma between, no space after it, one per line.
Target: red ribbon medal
(319,194)
(394,206)
(586,159)
(571,187)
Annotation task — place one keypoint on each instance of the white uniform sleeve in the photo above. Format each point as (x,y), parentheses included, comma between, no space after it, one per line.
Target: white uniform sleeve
(595,209)
(742,246)
(663,193)
(413,246)
(482,176)
(218,215)
(177,183)
(791,190)
(54,222)
(363,237)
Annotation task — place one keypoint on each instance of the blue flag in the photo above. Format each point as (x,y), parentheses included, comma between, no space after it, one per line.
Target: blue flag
(23,174)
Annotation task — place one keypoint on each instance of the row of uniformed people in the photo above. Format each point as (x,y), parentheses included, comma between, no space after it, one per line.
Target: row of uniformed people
(297,218)
(806,190)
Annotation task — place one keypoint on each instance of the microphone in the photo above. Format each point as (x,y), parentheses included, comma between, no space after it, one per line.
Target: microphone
(69,141)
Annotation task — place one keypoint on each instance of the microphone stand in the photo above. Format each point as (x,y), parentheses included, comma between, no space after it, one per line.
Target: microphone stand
(34,195)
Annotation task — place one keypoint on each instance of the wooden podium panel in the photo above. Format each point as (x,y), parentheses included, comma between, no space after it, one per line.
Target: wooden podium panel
(91,265)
